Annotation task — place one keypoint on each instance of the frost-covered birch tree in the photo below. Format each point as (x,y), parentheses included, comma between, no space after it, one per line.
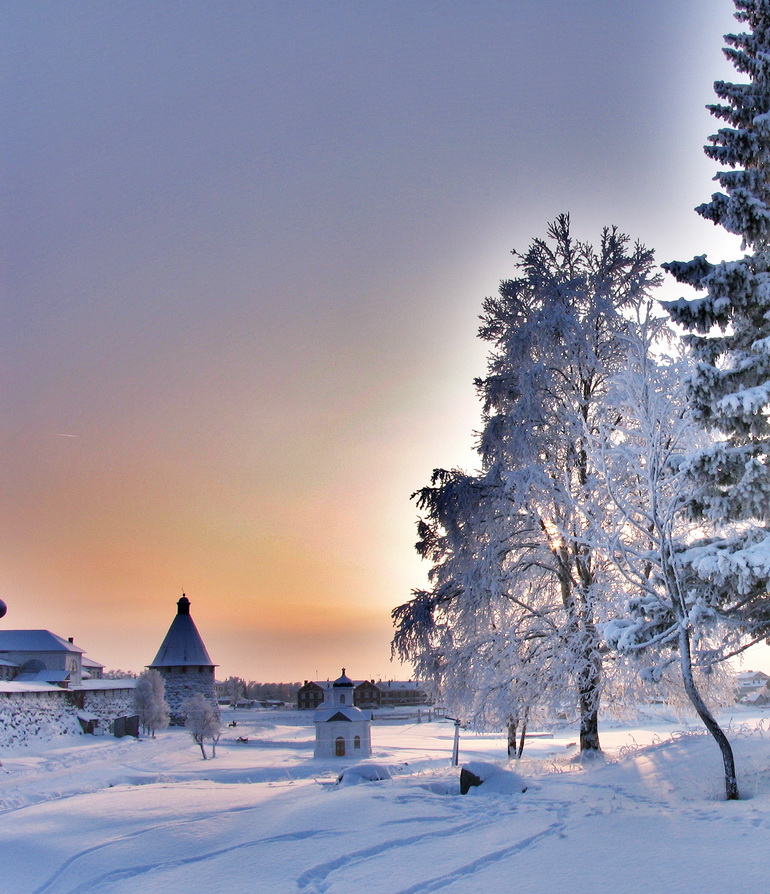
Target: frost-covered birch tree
(517,594)
(729,333)
(203,721)
(150,702)
(639,457)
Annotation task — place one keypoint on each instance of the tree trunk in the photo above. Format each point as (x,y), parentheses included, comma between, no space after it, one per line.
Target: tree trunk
(522,737)
(589,684)
(512,726)
(685,656)
(589,727)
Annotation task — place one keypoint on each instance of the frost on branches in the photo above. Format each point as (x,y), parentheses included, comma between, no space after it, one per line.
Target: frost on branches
(510,625)
(649,532)
(203,721)
(150,702)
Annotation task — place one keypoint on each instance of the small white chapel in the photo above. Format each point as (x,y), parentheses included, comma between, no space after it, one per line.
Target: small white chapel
(342,730)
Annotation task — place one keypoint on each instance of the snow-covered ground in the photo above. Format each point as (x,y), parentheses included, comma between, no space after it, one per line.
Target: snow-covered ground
(106,815)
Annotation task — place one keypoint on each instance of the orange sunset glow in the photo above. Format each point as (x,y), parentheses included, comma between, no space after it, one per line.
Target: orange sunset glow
(245,247)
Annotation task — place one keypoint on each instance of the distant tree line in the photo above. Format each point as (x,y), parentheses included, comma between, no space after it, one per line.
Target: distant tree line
(238,688)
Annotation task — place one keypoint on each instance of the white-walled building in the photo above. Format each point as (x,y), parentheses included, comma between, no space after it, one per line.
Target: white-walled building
(48,689)
(342,730)
(40,656)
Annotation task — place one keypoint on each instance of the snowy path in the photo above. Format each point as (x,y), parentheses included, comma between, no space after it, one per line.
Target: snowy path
(650,821)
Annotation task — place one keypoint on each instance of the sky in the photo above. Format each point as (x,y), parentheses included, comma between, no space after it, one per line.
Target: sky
(244,251)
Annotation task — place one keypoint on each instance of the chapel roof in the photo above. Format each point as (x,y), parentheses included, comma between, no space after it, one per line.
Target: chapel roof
(182,645)
(337,713)
(343,680)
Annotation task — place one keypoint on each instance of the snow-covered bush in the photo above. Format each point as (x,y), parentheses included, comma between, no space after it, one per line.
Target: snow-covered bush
(364,772)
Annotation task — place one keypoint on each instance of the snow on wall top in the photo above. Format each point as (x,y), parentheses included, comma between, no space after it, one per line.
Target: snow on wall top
(14,686)
(34,641)
(10,686)
(101,685)
(183,644)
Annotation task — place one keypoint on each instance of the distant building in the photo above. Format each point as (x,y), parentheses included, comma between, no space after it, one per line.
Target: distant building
(752,688)
(397,693)
(366,694)
(39,656)
(311,695)
(748,680)
(92,670)
(184,663)
(342,730)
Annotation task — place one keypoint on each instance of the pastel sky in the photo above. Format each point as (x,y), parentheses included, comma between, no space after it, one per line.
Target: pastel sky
(244,249)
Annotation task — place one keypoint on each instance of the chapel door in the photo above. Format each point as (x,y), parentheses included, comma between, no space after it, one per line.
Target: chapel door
(340,747)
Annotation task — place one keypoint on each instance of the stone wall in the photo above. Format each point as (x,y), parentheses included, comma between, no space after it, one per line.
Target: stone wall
(107,704)
(181,685)
(33,716)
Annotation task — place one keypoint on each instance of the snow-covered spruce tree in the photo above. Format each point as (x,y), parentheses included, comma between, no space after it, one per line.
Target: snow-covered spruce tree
(512,568)
(638,456)
(203,721)
(150,702)
(729,334)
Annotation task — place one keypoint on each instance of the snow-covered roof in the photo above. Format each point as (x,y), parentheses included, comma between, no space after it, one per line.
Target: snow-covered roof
(183,644)
(44,676)
(4,663)
(34,641)
(399,684)
(89,662)
(87,717)
(752,675)
(340,712)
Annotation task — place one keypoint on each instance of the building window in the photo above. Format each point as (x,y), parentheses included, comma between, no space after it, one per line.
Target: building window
(357,742)
(342,698)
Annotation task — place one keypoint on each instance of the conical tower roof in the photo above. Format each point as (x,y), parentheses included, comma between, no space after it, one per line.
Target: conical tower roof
(183,644)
